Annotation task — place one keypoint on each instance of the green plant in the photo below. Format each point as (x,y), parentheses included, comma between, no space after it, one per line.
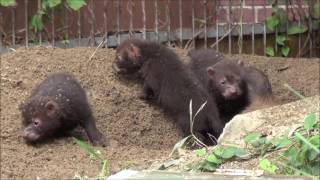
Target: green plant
(95,155)
(219,155)
(37,20)
(300,154)
(279,18)
(7,3)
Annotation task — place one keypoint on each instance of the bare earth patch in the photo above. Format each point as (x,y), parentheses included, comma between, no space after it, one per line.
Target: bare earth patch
(139,132)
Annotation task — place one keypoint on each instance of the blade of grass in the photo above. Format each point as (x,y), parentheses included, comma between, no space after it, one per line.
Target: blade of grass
(298,135)
(294,91)
(88,148)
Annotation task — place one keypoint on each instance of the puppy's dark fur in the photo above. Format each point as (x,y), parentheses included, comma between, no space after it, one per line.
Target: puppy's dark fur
(220,75)
(57,105)
(170,84)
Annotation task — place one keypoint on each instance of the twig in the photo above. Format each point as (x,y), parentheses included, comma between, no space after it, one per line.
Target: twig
(192,119)
(225,35)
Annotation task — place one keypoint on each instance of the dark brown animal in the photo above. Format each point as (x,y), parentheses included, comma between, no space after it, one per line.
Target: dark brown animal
(57,105)
(170,84)
(234,86)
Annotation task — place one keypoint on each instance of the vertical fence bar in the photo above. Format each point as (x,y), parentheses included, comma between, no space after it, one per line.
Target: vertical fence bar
(287,22)
(13,25)
(130,19)
(229,26)
(193,25)
(93,22)
(205,2)
(180,21)
(66,22)
(252,28)
(265,29)
(118,21)
(40,32)
(217,24)
(310,28)
(299,38)
(79,27)
(156,19)
(168,22)
(105,22)
(26,22)
(144,32)
(52,28)
(240,43)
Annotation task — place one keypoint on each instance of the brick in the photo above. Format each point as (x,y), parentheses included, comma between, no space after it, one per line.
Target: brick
(226,2)
(256,2)
(222,15)
(263,14)
(248,16)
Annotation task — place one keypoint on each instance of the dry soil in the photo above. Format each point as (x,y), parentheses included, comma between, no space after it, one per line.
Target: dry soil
(139,132)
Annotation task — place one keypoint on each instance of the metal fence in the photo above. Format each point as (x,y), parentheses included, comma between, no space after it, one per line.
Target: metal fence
(236,26)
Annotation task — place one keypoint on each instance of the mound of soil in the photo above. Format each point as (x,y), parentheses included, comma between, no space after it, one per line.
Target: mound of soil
(139,132)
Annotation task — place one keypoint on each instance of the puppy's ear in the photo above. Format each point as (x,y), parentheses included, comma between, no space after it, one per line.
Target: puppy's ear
(240,62)
(210,71)
(134,52)
(51,107)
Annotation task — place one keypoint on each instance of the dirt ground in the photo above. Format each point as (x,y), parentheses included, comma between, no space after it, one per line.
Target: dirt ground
(139,132)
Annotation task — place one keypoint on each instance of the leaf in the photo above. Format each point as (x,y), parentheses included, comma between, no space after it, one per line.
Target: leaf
(179,144)
(270,51)
(218,151)
(315,140)
(53,3)
(207,166)
(282,16)
(280,142)
(303,139)
(291,153)
(228,152)
(309,121)
(316,10)
(285,51)
(281,39)
(241,153)
(213,159)
(201,152)
(252,137)
(265,165)
(36,22)
(7,3)
(76,4)
(297,30)
(272,22)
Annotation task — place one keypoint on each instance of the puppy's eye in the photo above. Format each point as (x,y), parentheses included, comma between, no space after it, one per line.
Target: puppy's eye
(223,81)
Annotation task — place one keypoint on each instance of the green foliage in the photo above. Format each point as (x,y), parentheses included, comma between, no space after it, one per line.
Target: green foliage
(316,10)
(270,51)
(201,152)
(76,4)
(272,22)
(7,3)
(285,51)
(301,154)
(37,21)
(95,155)
(266,165)
(297,29)
(220,155)
(279,18)
(310,121)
